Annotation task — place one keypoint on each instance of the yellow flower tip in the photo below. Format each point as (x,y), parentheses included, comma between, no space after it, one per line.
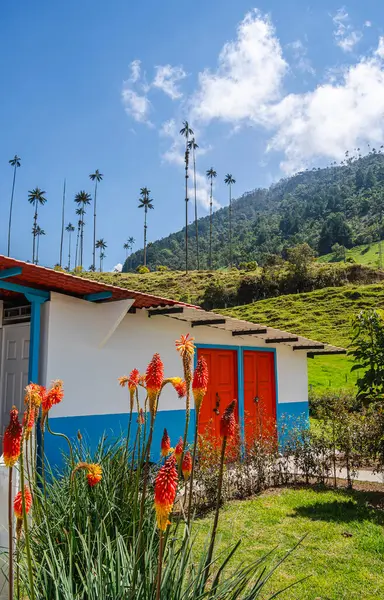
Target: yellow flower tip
(185,345)
(123,381)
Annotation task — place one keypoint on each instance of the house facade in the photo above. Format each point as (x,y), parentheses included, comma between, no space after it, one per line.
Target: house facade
(57,326)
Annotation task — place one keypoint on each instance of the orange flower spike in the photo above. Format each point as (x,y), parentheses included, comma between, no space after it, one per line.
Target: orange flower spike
(29,418)
(133,379)
(228,422)
(179,450)
(34,394)
(12,439)
(186,348)
(94,474)
(154,379)
(54,395)
(123,380)
(18,503)
(186,467)
(180,386)
(165,492)
(200,383)
(165,444)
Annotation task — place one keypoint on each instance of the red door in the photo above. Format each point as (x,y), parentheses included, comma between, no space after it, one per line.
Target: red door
(222,388)
(259,394)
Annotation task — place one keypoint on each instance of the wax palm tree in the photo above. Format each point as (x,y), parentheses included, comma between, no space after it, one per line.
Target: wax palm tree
(128,246)
(82,199)
(35,197)
(101,245)
(145,202)
(230,181)
(186,131)
(39,232)
(80,213)
(96,177)
(15,162)
(69,229)
(211,174)
(62,226)
(193,146)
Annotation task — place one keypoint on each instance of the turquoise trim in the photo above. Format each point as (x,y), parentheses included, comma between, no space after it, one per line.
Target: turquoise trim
(240,400)
(291,415)
(111,426)
(10,272)
(98,296)
(22,289)
(34,343)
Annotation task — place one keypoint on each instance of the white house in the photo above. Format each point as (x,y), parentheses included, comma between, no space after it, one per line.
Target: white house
(57,326)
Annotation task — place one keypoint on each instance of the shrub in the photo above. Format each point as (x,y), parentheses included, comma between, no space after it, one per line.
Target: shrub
(162,268)
(142,270)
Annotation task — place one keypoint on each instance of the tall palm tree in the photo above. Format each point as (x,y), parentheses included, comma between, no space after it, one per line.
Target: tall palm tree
(69,229)
(15,162)
(35,197)
(128,246)
(186,131)
(80,223)
(82,199)
(62,226)
(193,146)
(145,202)
(230,181)
(39,232)
(101,245)
(211,174)
(96,177)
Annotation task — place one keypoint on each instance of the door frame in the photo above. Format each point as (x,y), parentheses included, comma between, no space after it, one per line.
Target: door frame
(240,374)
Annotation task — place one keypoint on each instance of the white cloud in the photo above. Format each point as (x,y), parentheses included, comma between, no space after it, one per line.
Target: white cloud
(299,53)
(380,48)
(345,36)
(167,78)
(368,24)
(135,70)
(336,116)
(249,74)
(134,95)
(118,268)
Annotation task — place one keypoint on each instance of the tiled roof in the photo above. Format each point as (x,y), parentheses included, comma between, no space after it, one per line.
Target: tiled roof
(42,278)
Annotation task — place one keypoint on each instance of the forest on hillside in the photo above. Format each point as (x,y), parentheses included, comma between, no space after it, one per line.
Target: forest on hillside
(341,204)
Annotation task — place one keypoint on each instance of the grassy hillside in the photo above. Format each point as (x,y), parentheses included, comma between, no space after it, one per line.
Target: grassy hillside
(324,315)
(368,254)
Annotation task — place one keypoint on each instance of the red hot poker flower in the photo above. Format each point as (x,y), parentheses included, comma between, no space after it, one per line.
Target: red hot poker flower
(179,450)
(228,422)
(133,379)
(180,386)
(165,444)
(186,349)
(94,474)
(12,439)
(154,379)
(165,492)
(18,503)
(200,383)
(53,396)
(34,394)
(186,467)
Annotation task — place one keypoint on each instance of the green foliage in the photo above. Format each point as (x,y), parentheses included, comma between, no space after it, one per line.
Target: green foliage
(162,268)
(367,254)
(339,252)
(142,270)
(368,354)
(339,204)
(248,266)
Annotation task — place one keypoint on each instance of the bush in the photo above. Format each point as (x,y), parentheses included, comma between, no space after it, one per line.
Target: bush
(248,266)
(142,270)
(162,268)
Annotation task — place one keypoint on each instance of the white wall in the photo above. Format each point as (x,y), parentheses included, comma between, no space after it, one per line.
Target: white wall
(90,374)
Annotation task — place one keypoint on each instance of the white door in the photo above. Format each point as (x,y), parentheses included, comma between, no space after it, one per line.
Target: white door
(14,370)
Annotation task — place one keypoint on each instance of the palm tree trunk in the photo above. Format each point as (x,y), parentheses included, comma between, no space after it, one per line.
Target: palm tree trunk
(145,236)
(100,260)
(77,245)
(94,228)
(10,210)
(81,244)
(186,207)
(62,227)
(210,229)
(34,233)
(69,252)
(37,249)
(196,225)
(230,225)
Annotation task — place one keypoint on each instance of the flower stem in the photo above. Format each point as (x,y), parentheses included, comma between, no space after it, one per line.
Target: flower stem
(216,520)
(10,535)
(160,566)
(192,471)
(25,523)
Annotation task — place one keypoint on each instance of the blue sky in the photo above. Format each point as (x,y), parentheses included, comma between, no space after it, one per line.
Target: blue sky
(269,87)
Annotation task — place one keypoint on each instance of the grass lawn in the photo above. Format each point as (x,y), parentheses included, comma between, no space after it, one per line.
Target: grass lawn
(367,254)
(343,553)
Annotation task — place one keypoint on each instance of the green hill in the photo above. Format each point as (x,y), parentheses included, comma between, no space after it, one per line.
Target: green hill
(339,204)
(368,254)
(324,315)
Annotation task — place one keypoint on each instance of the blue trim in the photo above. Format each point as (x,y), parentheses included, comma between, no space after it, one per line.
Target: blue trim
(34,343)
(98,296)
(22,289)
(94,427)
(291,415)
(10,272)
(240,399)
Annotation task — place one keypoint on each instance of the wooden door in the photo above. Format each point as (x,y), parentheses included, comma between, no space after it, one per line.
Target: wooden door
(259,394)
(222,388)
(14,371)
